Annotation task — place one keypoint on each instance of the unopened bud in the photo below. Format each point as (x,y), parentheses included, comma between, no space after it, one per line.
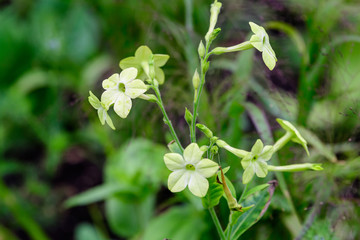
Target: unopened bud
(201,50)
(188,117)
(208,133)
(204,148)
(214,150)
(214,13)
(196,80)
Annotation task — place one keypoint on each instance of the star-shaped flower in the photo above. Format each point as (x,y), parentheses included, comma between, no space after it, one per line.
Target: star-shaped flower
(255,161)
(102,110)
(296,136)
(141,60)
(190,170)
(260,41)
(120,89)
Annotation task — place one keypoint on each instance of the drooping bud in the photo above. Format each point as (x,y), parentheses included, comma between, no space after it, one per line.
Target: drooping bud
(214,13)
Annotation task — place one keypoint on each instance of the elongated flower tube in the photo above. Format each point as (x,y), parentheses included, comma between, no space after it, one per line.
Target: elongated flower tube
(237,152)
(190,170)
(296,167)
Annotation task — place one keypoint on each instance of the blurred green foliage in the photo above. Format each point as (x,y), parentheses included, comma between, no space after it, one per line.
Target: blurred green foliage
(53,147)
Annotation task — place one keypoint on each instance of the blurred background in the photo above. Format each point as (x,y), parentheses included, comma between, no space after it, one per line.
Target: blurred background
(53,147)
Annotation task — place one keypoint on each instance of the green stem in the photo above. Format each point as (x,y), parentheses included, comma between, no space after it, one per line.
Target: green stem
(168,122)
(217,224)
(198,95)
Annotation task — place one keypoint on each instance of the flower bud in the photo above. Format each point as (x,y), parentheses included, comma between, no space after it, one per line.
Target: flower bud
(148,97)
(196,80)
(214,13)
(208,133)
(201,50)
(188,117)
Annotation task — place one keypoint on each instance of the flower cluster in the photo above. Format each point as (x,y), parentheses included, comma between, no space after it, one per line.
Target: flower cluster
(121,88)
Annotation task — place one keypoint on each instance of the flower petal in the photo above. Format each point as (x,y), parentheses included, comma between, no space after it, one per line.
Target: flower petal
(109,97)
(94,101)
(257,148)
(198,185)
(111,82)
(135,88)
(261,168)
(122,105)
(109,122)
(192,153)
(178,180)
(174,161)
(267,153)
(160,59)
(129,62)
(128,75)
(245,162)
(206,167)
(159,75)
(255,28)
(257,42)
(248,174)
(102,115)
(143,53)
(269,57)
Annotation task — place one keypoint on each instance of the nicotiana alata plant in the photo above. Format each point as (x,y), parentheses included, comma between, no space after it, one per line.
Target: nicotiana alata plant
(203,176)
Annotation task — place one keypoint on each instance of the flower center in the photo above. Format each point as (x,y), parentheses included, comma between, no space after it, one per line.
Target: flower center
(121,87)
(255,158)
(190,167)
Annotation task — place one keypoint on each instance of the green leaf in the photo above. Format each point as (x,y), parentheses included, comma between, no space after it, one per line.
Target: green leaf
(86,231)
(178,223)
(214,194)
(255,190)
(261,200)
(99,193)
(128,218)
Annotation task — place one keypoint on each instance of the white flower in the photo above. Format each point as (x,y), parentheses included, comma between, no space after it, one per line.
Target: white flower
(260,41)
(102,110)
(120,89)
(190,170)
(255,161)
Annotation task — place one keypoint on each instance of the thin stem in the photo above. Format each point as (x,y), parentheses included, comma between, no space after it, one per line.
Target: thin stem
(217,224)
(168,122)
(198,96)
(243,193)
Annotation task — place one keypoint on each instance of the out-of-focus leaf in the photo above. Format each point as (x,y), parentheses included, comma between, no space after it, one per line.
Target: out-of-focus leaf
(31,80)
(214,193)
(317,144)
(180,223)
(6,234)
(86,231)
(99,193)
(127,218)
